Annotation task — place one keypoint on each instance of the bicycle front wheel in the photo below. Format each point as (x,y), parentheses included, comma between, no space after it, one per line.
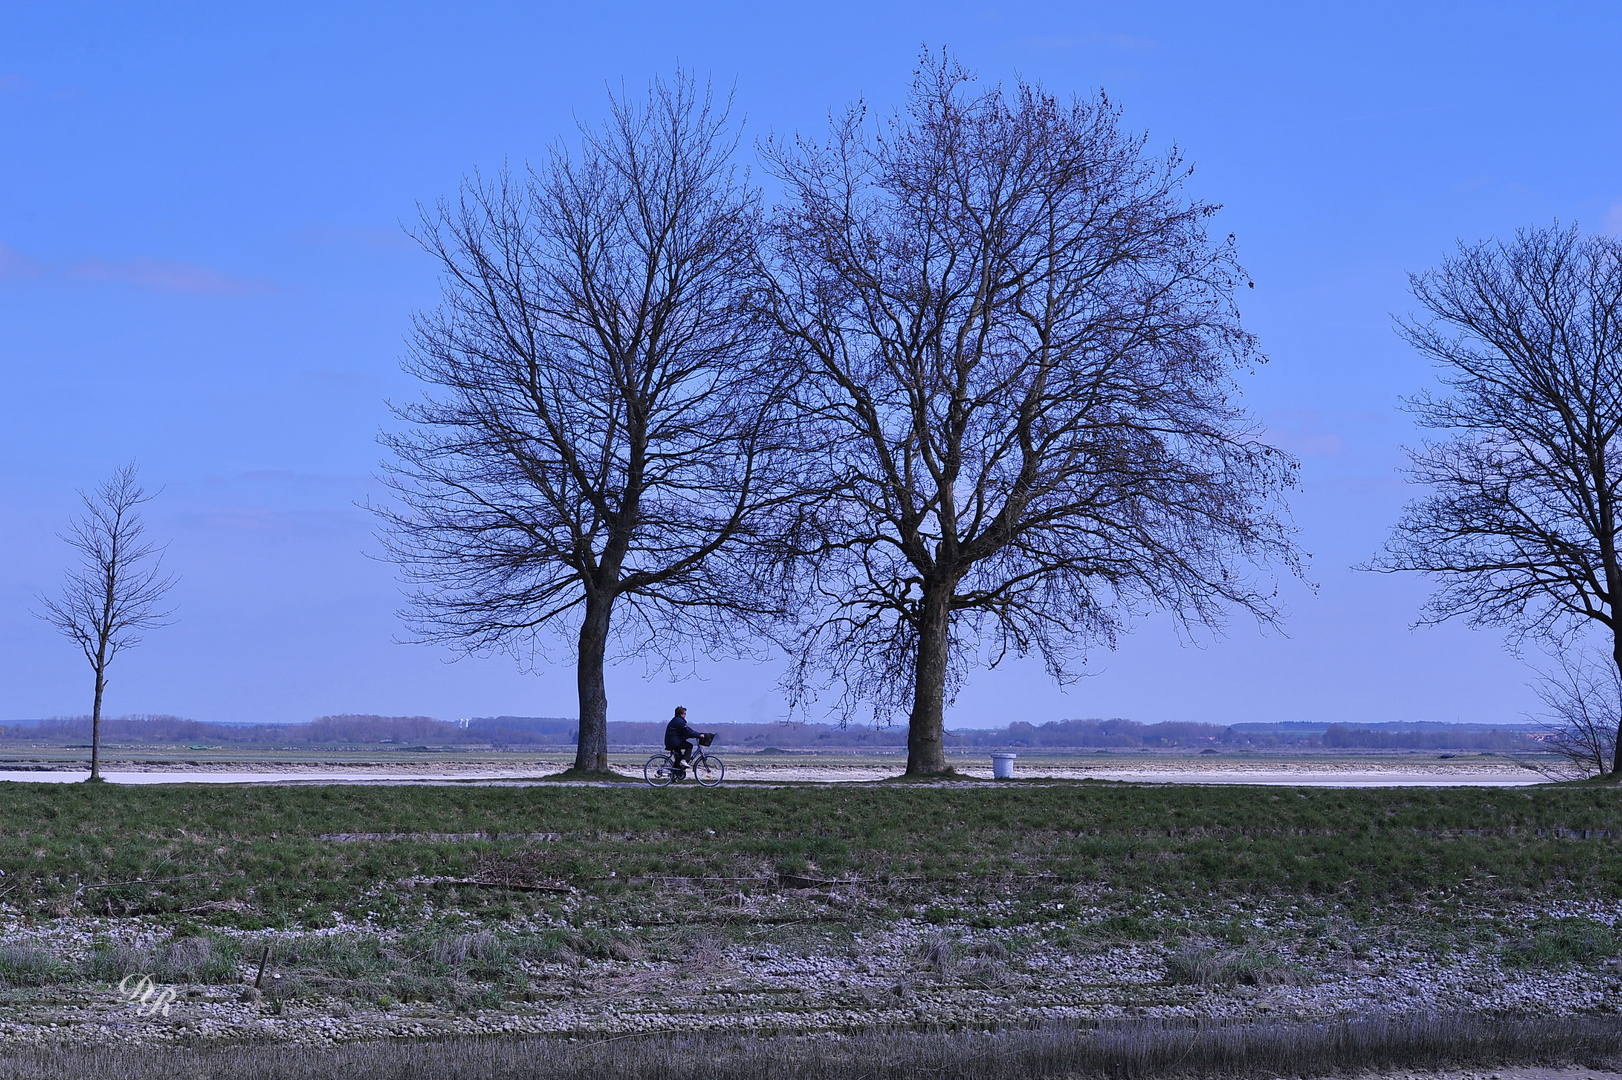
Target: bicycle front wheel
(657,770)
(709,770)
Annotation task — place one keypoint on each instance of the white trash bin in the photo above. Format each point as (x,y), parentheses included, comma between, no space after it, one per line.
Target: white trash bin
(1002,766)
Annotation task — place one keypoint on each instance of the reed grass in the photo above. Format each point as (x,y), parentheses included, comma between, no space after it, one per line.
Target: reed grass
(1128,1050)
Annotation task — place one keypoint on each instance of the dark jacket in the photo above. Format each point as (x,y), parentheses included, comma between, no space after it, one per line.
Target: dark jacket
(677,732)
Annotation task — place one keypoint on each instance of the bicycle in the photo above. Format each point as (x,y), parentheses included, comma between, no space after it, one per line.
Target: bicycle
(707,769)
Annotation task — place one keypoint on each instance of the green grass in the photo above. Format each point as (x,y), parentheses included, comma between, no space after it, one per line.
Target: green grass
(1553,943)
(255,856)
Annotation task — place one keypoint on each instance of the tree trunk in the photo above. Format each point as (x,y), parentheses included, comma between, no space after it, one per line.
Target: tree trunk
(95,724)
(1616,655)
(591,754)
(926,735)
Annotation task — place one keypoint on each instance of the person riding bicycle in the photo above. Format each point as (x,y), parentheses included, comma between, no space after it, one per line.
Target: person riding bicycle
(680,739)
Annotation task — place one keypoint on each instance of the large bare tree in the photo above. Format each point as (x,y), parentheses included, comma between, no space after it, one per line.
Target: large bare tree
(600,432)
(112,597)
(1523,523)
(1018,344)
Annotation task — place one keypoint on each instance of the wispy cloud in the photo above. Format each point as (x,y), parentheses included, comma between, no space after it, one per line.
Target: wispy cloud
(337,378)
(1308,443)
(1312,433)
(1091,41)
(15,265)
(1613,221)
(179,277)
(354,237)
(289,476)
(255,519)
(157,274)
(242,517)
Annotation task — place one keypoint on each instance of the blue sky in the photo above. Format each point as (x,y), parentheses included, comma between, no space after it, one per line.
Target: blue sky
(202,267)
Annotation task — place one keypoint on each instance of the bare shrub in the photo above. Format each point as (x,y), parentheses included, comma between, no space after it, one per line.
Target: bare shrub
(1584,701)
(989,949)
(938,953)
(986,973)
(706,953)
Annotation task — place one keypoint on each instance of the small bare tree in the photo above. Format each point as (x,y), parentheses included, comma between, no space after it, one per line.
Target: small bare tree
(1018,346)
(113,595)
(1584,703)
(1523,527)
(602,432)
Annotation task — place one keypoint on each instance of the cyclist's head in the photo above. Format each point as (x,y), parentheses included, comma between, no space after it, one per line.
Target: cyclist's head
(681,710)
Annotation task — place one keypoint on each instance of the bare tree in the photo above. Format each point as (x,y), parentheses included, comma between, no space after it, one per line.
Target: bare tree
(1019,345)
(1525,515)
(601,433)
(1584,702)
(112,596)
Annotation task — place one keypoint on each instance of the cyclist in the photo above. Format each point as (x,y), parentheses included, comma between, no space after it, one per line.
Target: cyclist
(679,740)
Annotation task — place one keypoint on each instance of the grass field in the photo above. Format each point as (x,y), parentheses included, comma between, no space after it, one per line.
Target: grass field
(295,855)
(572,908)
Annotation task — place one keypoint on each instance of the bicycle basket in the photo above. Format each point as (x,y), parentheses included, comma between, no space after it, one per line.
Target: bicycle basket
(706,738)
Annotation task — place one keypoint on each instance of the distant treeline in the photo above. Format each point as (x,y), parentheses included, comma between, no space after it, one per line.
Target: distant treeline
(518,732)
(1105,734)
(1128,734)
(1422,739)
(325,731)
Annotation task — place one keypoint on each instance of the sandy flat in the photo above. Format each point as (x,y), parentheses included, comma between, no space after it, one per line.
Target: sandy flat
(1323,773)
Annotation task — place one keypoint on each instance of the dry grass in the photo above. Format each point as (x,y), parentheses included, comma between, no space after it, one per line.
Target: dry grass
(1124,1051)
(1196,965)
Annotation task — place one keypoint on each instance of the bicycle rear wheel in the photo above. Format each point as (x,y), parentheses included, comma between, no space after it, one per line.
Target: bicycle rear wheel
(657,771)
(709,770)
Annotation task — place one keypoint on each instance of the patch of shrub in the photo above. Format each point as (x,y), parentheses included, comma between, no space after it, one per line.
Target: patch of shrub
(548,947)
(30,965)
(110,962)
(1196,965)
(197,960)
